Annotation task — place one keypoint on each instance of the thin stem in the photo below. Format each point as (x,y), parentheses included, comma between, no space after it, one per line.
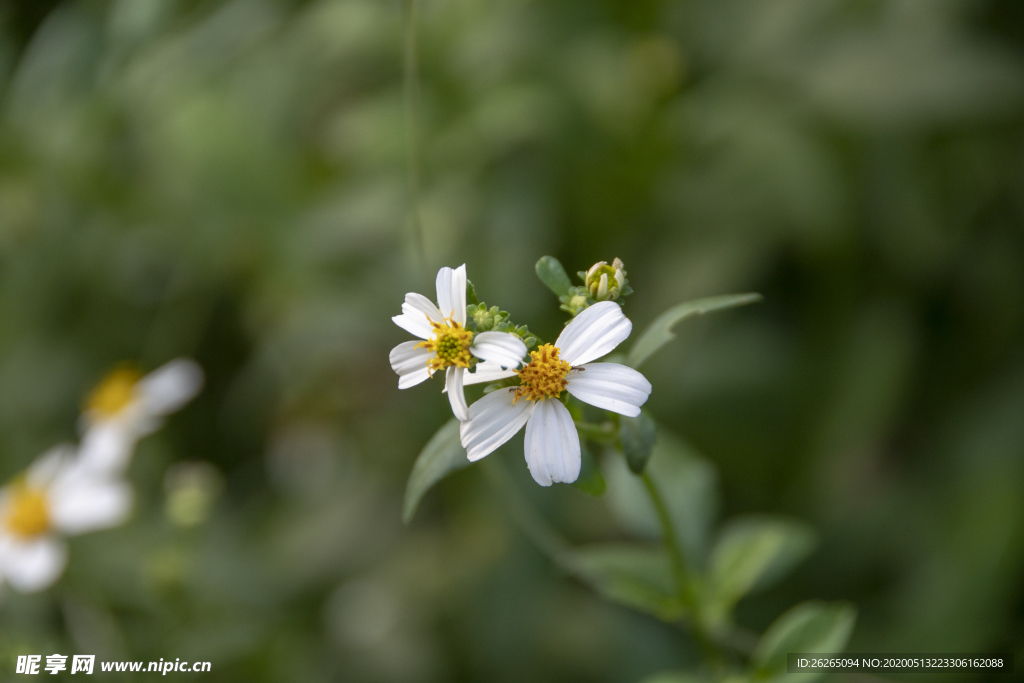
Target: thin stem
(412,101)
(603,433)
(681,571)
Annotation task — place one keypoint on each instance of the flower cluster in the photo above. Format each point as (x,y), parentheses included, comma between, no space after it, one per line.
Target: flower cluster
(70,489)
(547,376)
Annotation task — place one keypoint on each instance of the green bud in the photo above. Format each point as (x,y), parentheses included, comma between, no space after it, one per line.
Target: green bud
(606,282)
(576,301)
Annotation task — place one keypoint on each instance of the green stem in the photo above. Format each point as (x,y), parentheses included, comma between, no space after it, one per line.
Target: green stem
(681,571)
(602,433)
(412,100)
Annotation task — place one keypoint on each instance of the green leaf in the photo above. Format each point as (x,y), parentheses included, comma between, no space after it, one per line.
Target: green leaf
(442,455)
(636,576)
(551,273)
(659,332)
(471,297)
(590,480)
(808,627)
(752,553)
(638,437)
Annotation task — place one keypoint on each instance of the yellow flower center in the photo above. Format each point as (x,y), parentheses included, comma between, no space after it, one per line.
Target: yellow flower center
(114,393)
(27,515)
(450,345)
(544,376)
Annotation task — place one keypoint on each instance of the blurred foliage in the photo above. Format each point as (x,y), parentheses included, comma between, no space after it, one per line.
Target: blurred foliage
(228,180)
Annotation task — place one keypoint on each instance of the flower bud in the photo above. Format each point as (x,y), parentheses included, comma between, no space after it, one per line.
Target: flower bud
(605,282)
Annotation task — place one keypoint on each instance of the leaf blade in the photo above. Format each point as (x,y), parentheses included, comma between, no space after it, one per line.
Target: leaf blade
(636,576)
(659,332)
(442,455)
(552,274)
(638,436)
(812,626)
(752,553)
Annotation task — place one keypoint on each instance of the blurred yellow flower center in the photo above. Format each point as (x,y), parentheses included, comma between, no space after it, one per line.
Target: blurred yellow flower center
(544,376)
(114,393)
(450,345)
(26,513)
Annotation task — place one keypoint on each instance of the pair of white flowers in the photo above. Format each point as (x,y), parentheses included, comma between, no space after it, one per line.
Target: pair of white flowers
(71,490)
(552,443)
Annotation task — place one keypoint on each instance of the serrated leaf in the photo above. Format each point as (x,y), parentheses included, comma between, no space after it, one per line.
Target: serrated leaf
(551,273)
(633,575)
(659,332)
(752,553)
(442,455)
(638,438)
(809,627)
(590,480)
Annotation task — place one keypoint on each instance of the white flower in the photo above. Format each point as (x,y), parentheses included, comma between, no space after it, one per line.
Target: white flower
(448,345)
(552,444)
(126,406)
(56,497)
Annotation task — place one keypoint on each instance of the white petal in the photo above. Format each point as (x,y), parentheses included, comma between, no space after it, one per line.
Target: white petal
(552,444)
(417,312)
(611,386)
(453,385)
(486,372)
(451,293)
(503,348)
(593,333)
(32,565)
(410,363)
(169,387)
(48,465)
(86,503)
(493,420)
(107,447)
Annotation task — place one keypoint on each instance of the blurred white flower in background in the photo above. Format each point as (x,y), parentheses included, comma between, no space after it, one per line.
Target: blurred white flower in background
(58,496)
(552,443)
(127,406)
(448,345)
(70,490)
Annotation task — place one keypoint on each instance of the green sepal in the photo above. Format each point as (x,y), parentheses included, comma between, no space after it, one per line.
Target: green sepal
(471,297)
(576,300)
(442,455)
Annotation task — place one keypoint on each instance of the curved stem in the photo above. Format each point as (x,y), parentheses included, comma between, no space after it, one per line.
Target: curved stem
(681,571)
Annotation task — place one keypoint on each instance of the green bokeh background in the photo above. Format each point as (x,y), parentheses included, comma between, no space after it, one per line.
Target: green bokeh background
(229,181)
